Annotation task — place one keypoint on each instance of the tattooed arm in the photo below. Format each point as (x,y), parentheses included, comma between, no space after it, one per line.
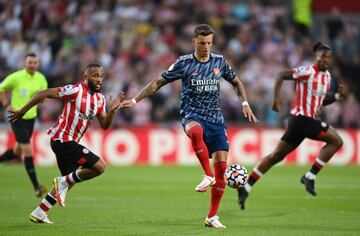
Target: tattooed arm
(148,90)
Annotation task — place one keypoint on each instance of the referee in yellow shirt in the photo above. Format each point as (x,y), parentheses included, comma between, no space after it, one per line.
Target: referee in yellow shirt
(23,85)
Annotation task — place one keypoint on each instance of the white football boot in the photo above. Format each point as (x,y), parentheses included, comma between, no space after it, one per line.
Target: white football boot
(214,222)
(39,217)
(61,187)
(205,183)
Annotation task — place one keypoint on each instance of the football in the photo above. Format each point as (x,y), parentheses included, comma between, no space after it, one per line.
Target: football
(236,176)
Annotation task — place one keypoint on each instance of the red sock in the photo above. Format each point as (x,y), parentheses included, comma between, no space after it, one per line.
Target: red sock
(218,189)
(200,149)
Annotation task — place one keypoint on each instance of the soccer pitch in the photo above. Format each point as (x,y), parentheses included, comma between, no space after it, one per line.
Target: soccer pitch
(144,200)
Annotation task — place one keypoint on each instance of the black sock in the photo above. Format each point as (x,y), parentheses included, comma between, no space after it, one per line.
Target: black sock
(8,155)
(251,180)
(30,169)
(314,169)
(75,177)
(254,176)
(317,166)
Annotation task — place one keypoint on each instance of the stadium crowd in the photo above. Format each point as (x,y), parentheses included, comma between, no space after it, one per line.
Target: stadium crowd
(136,40)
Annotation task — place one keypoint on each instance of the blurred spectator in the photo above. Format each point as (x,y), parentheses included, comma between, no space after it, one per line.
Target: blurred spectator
(351,112)
(334,24)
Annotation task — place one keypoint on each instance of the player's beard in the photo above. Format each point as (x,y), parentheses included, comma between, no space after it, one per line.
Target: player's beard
(322,67)
(92,87)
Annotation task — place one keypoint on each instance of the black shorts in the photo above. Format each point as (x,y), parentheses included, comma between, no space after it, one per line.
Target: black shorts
(71,155)
(23,130)
(301,127)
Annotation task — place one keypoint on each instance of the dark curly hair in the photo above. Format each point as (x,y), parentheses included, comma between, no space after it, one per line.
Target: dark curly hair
(319,46)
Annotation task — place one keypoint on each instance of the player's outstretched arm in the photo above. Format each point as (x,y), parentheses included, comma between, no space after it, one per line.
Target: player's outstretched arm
(332,97)
(105,119)
(240,91)
(39,97)
(284,75)
(148,90)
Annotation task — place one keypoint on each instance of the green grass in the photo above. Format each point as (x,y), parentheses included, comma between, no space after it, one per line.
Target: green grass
(161,201)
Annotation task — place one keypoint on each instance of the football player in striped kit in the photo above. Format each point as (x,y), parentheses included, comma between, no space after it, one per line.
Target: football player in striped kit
(313,92)
(82,103)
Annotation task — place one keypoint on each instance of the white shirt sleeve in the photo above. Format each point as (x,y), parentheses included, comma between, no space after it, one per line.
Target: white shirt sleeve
(68,91)
(302,72)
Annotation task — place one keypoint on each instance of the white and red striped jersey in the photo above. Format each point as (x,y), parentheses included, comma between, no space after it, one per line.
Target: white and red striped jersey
(311,88)
(80,108)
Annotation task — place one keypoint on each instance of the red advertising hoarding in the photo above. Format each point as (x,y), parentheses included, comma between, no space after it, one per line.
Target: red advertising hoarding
(161,146)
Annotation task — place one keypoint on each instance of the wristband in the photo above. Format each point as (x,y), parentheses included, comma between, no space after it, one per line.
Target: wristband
(337,97)
(245,103)
(133,100)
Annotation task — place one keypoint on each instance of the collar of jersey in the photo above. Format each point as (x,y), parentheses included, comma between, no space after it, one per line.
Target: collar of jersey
(201,61)
(27,73)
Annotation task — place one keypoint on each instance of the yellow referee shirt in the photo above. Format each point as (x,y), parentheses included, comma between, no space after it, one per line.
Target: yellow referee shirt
(23,87)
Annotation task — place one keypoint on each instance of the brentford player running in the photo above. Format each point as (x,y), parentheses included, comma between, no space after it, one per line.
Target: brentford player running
(200,110)
(82,103)
(312,87)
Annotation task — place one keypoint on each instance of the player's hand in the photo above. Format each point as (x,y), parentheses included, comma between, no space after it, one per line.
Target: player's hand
(341,90)
(249,114)
(115,104)
(127,103)
(14,115)
(9,108)
(276,106)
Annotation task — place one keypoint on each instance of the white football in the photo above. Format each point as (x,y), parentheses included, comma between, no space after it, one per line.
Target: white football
(236,176)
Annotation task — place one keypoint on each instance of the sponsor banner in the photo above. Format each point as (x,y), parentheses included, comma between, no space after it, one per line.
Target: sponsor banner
(345,7)
(161,146)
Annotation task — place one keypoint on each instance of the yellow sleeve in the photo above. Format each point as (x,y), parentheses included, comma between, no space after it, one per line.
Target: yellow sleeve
(8,83)
(45,83)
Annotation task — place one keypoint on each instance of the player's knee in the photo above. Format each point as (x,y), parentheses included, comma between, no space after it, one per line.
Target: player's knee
(100,167)
(195,134)
(17,152)
(339,143)
(220,183)
(26,150)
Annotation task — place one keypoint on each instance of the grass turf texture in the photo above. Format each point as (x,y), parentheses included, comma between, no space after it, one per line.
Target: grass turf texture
(161,201)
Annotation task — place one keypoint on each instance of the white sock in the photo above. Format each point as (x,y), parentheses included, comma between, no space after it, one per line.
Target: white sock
(310,175)
(247,187)
(38,210)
